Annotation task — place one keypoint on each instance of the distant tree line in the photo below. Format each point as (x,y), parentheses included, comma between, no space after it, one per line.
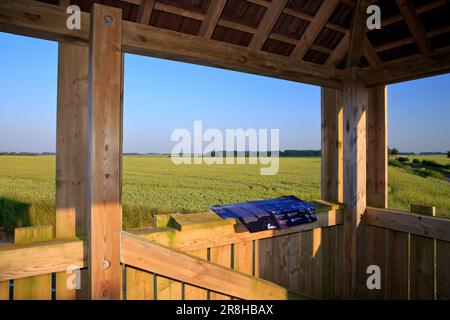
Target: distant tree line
(13,153)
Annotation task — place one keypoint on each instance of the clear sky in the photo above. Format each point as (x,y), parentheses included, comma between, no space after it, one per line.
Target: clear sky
(161,96)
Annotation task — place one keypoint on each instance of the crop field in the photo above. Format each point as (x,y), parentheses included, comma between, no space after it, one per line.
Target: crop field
(155,185)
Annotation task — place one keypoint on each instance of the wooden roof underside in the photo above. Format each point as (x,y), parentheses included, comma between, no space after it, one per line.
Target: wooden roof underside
(323,38)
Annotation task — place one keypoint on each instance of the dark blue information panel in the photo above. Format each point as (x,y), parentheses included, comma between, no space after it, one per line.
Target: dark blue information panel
(277,213)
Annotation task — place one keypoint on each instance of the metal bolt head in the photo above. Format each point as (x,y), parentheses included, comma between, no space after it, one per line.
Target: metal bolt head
(107,19)
(106,264)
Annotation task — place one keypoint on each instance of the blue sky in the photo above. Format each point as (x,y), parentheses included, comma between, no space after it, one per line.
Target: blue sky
(161,96)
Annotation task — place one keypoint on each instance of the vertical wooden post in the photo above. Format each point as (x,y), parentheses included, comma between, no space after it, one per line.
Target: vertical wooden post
(104,209)
(332,152)
(71,150)
(355,105)
(377,169)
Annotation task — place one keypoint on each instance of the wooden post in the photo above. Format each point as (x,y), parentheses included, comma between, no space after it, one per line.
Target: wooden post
(104,209)
(355,104)
(377,159)
(332,152)
(71,151)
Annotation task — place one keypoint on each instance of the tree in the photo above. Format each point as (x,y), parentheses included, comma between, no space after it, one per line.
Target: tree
(448,154)
(393,152)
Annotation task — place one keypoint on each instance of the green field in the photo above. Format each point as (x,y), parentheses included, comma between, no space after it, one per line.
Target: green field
(155,185)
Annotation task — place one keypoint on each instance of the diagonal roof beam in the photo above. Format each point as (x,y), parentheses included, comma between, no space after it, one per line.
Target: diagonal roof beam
(211,18)
(370,53)
(415,26)
(267,23)
(145,11)
(314,28)
(339,52)
(357,34)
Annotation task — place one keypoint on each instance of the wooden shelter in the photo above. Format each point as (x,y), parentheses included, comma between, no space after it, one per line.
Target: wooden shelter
(324,43)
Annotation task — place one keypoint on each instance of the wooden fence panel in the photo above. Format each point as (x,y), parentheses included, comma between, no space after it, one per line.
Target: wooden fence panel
(265,259)
(397,265)
(295,275)
(168,289)
(306,254)
(281,264)
(374,254)
(243,257)
(443,270)
(37,287)
(222,256)
(330,272)
(139,284)
(422,261)
(4,290)
(193,292)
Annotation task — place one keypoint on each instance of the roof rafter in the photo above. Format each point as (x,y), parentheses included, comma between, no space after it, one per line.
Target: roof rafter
(415,26)
(211,18)
(339,52)
(145,11)
(314,28)
(357,34)
(267,23)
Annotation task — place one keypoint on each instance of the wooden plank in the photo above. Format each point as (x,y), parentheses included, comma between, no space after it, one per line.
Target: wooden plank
(17,17)
(430,227)
(71,150)
(37,287)
(168,289)
(306,254)
(223,235)
(149,256)
(316,264)
(374,254)
(422,261)
(4,290)
(139,284)
(332,151)
(281,260)
(377,167)
(145,11)
(355,135)
(266,25)
(294,262)
(397,258)
(357,34)
(266,259)
(443,270)
(192,292)
(221,256)
(339,256)
(104,209)
(339,52)
(309,36)
(243,257)
(370,53)
(328,248)
(415,25)
(211,18)
(40,258)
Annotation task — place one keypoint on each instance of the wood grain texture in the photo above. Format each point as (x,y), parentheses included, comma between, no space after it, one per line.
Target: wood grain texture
(37,287)
(355,135)
(211,18)
(145,11)
(192,292)
(397,269)
(332,151)
(139,284)
(281,260)
(149,256)
(357,34)
(71,150)
(221,256)
(374,254)
(422,262)
(4,290)
(104,209)
(168,289)
(443,270)
(377,148)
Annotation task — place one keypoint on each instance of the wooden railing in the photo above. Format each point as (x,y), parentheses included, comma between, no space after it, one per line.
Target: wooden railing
(412,251)
(297,262)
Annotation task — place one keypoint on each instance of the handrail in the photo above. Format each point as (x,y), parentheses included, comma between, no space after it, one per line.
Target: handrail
(431,227)
(152,257)
(26,260)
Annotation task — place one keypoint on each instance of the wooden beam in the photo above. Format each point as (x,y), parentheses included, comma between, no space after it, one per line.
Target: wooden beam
(339,52)
(370,53)
(355,134)
(357,34)
(39,258)
(377,148)
(145,11)
(213,236)
(409,69)
(211,18)
(332,152)
(105,60)
(71,150)
(415,26)
(149,256)
(266,25)
(425,226)
(19,17)
(314,28)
